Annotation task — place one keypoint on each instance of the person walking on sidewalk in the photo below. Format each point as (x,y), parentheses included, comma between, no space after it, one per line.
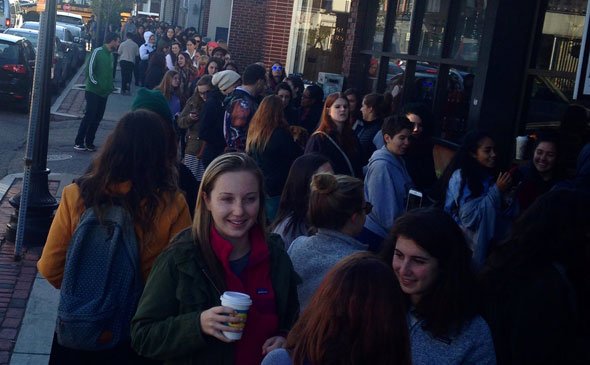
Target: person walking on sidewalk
(99,84)
(128,52)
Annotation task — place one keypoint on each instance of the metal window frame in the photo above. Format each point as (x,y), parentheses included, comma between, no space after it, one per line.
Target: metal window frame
(445,61)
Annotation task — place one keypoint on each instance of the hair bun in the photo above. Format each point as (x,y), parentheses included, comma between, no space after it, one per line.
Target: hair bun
(324,183)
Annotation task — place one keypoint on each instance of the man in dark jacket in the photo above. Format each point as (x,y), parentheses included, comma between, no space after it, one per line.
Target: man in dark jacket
(241,106)
(99,84)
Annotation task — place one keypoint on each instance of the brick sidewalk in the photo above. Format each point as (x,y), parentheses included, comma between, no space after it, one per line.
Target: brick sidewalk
(16,278)
(73,103)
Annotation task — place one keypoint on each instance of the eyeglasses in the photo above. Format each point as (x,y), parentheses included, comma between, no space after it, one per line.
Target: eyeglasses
(367,207)
(277,68)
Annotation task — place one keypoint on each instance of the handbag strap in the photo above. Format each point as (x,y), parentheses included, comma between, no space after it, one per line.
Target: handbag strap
(339,149)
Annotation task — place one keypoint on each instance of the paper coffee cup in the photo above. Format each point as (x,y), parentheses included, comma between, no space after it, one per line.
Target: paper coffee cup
(521,144)
(240,302)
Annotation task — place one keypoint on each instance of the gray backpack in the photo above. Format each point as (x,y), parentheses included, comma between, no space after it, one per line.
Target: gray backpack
(102,282)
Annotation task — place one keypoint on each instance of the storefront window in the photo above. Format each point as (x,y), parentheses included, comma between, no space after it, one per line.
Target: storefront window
(560,42)
(469,30)
(456,106)
(375,30)
(319,35)
(433,28)
(401,31)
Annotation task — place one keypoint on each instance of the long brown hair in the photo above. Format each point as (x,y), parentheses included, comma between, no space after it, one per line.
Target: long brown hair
(139,152)
(357,316)
(267,118)
(165,85)
(346,138)
(228,162)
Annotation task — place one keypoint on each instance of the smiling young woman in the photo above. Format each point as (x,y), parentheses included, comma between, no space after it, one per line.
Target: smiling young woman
(387,182)
(180,316)
(432,263)
(476,194)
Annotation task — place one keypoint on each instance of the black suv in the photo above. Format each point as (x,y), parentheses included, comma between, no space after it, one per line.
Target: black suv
(17,63)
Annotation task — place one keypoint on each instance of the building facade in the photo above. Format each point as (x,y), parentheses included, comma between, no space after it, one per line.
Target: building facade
(501,65)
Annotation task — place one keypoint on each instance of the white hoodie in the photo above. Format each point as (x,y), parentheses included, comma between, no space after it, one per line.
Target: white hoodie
(147,47)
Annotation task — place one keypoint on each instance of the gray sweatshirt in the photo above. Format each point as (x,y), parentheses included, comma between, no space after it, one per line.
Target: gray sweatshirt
(472,345)
(315,255)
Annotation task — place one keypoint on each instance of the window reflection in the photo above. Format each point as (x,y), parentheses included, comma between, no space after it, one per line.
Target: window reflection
(469,30)
(320,34)
(455,110)
(433,28)
(375,31)
(455,107)
(560,41)
(401,31)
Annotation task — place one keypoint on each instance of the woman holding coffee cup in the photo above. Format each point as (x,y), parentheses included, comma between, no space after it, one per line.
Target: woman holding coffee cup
(180,315)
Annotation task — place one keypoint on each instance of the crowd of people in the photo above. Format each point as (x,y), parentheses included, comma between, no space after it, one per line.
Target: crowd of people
(302,201)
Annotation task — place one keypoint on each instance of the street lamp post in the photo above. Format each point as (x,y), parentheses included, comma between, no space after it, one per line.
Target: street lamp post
(34,205)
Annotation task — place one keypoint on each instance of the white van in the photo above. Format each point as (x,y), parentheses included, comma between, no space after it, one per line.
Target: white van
(10,14)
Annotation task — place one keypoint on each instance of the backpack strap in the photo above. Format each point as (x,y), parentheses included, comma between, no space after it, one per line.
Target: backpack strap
(339,149)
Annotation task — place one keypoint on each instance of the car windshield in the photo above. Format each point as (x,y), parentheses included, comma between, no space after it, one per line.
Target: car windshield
(31,37)
(8,53)
(31,25)
(68,19)
(60,33)
(75,30)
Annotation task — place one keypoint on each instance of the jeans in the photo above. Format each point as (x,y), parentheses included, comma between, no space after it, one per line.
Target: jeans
(126,74)
(95,106)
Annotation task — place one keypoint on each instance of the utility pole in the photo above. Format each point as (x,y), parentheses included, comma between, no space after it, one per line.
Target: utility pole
(34,205)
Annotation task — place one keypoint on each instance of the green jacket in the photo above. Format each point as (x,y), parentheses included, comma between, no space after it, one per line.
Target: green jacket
(167,323)
(99,72)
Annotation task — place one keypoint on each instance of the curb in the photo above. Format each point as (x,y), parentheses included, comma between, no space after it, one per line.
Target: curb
(34,336)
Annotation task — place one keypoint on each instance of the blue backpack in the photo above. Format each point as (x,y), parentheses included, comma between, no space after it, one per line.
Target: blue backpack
(102,282)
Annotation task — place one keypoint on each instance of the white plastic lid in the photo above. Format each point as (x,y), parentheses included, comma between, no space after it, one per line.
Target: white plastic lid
(236,298)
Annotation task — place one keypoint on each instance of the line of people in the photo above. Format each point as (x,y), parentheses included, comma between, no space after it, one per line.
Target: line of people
(303,204)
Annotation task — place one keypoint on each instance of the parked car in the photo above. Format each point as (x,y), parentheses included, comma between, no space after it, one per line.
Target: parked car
(10,14)
(79,40)
(17,62)
(66,37)
(425,81)
(61,59)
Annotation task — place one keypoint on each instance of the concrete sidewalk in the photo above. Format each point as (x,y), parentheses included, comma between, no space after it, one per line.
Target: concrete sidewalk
(28,304)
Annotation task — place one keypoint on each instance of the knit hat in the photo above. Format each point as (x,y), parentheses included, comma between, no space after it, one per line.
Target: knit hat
(225,79)
(152,100)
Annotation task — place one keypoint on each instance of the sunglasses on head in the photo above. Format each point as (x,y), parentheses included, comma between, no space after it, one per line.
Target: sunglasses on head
(277,68)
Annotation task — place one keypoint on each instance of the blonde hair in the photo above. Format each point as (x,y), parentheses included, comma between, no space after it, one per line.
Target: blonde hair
(334,199)
(229,162)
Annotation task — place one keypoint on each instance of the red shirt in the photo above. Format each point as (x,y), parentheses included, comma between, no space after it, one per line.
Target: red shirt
(263,321)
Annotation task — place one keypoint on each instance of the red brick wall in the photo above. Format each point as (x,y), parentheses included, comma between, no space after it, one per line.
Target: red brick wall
(354,65)
(278,27)
(205,14)
(247,31)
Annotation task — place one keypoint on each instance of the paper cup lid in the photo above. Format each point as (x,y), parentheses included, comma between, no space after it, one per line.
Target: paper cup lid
(236,298)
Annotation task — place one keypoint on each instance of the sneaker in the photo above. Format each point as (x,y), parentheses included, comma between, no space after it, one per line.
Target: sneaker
(90,147)
(79,147)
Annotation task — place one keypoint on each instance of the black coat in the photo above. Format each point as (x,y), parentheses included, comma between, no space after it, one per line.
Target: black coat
(211,126)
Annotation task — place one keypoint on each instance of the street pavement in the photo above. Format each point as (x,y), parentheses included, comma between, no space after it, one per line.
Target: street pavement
(28,304)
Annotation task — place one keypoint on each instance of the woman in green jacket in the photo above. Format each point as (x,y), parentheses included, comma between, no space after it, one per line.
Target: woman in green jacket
(180,318)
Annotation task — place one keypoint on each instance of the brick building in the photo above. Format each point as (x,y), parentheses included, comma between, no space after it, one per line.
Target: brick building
(495,64)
